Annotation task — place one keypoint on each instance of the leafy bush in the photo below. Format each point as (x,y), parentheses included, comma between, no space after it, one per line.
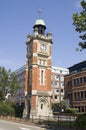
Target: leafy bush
(72,110)
(6,108)
(81,121)
(58,107)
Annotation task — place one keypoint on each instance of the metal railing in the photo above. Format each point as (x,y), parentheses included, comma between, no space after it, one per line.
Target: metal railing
(55,122)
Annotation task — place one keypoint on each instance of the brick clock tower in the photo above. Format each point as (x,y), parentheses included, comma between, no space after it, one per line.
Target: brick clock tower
(38,71)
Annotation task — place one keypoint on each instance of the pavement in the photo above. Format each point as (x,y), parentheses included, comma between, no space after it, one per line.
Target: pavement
(29,122)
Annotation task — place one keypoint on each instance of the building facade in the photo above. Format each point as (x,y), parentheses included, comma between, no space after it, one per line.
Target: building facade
(75,86)
(19,95)
(57,83)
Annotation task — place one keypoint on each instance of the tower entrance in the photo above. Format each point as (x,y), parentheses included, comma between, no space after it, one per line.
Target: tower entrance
(43,106)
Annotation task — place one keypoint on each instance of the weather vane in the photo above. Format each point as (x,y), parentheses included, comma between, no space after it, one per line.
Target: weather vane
(40,13)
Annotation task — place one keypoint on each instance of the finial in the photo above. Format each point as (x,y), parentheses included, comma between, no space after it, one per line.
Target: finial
(40,13)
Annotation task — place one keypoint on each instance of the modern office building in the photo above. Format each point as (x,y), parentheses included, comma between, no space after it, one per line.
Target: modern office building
(19,96)
(75,86)
(57,83)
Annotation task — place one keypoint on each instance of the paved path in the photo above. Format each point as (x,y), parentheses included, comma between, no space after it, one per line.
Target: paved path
(45,127)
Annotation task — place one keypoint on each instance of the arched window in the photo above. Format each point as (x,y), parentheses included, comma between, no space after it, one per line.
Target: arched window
(41,106)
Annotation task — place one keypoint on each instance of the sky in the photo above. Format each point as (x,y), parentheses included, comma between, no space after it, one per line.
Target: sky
(17,18)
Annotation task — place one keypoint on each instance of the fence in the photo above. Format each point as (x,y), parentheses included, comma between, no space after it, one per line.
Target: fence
(56,122)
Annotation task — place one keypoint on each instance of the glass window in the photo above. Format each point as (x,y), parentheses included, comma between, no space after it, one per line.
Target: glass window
(56,97)
(78,94)
(75,81)
(84,79)
(70,83)
(60,71)
(85,93)
(75,95)
(62,90)
(56,77)
(62,84)
(42,62)
(41,106)
(81,94)
(56,83)
(81,80)
(56,90)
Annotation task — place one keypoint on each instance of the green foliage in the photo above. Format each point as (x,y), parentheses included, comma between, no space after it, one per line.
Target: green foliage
(58,107)
(81,121)
(1,95)
(79,21)
(4,83)
(6,109)
(8,83)
(63,104)
(55,107)
(72,110)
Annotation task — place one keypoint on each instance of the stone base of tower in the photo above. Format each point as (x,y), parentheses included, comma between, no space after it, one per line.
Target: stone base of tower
(34,113)
(41,105)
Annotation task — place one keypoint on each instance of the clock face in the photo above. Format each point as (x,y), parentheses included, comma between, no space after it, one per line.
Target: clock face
(43,47)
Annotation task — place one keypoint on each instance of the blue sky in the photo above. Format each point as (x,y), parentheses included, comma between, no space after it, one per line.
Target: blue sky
(17,18)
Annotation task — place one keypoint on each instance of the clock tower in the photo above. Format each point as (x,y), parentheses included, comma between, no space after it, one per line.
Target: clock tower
(38,71)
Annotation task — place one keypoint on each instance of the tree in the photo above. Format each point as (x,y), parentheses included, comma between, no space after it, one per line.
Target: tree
(3,82)
(8,83)
(59,107)
(79,21)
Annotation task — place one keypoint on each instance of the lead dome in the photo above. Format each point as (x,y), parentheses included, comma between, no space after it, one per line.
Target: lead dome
(40,22)
(40,25)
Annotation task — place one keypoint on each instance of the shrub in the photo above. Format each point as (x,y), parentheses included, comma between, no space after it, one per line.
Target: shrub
(72,110)
(6,108)
(81,121)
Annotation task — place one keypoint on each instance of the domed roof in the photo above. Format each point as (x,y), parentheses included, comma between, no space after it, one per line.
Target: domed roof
(40,22)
